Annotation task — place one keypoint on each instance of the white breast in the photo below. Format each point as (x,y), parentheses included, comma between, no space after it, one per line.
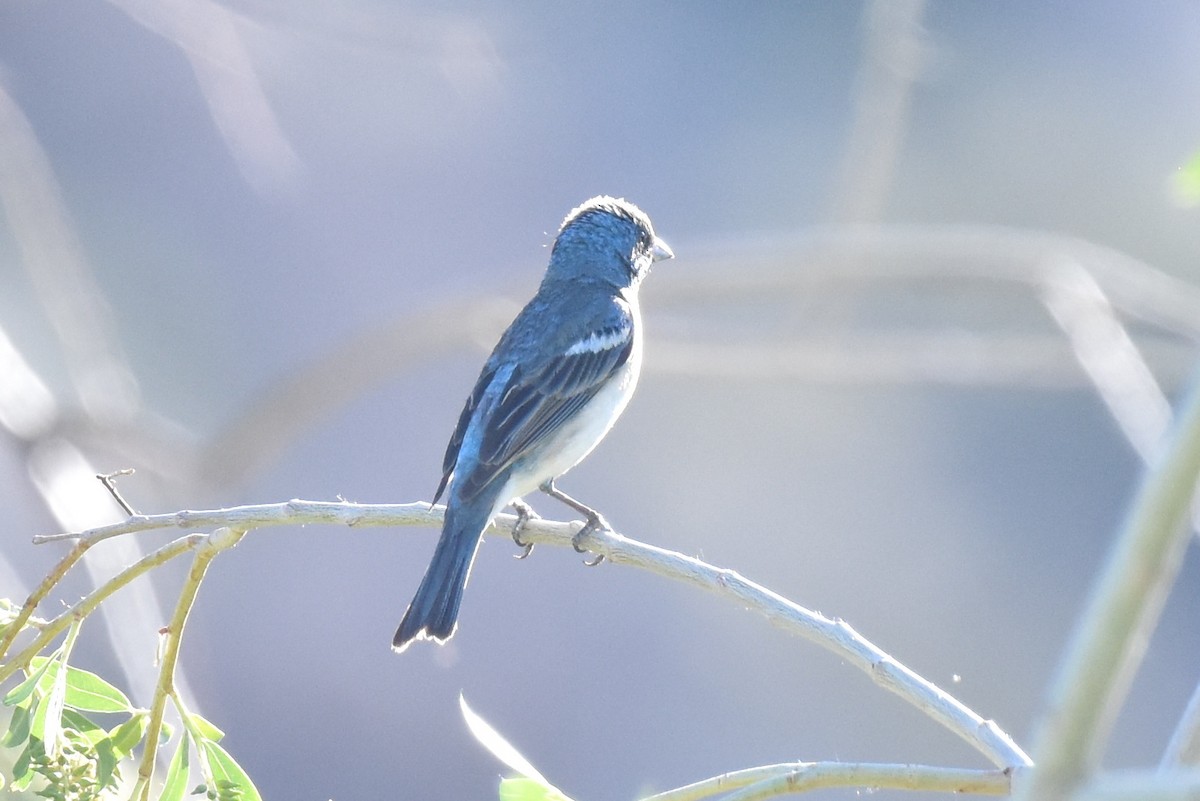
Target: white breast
(576,439)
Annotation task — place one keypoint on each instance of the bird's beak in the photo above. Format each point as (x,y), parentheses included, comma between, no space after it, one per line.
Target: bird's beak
(661,251)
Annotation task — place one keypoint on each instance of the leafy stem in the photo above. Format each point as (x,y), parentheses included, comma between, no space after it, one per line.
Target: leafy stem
(213,544)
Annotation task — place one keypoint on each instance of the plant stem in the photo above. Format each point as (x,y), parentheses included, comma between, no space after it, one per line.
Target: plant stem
(48,583)
(86,606)
(213,544)
(1122,611)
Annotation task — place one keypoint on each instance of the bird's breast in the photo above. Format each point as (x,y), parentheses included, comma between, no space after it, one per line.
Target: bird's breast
(578,436)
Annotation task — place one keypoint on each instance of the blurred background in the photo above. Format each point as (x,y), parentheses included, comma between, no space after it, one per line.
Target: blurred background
(934,290)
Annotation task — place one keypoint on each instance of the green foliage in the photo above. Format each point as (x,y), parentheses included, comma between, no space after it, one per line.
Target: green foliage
(66,754)
(522,788)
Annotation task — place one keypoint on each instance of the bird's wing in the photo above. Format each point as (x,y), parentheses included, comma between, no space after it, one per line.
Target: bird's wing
(456,439)
(540,393)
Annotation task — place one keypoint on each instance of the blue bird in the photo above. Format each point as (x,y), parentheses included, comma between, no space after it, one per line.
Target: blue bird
(554,385)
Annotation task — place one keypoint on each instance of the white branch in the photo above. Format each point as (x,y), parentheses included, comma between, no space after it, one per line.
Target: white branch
(1109,356)
(833,634)
(798,777)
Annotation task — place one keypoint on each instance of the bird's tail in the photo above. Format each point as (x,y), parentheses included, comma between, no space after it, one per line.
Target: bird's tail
(433,613)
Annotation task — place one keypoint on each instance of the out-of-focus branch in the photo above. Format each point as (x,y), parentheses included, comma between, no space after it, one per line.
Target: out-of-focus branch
(1123,609)
(827,260)
(1141,785)
(300,399)
(894,54)
(99,370)
(947,357)
(55,264)
(878,255)
(833,634)
(1184,746)
(207,35)
(1109,357)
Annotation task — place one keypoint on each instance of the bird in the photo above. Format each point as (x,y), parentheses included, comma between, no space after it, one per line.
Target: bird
(557,380)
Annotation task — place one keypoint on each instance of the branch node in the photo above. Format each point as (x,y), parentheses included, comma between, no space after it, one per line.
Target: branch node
(109,480)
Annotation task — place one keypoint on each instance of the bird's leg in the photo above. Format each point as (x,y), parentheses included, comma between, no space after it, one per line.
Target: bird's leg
(595,520)
(525,513)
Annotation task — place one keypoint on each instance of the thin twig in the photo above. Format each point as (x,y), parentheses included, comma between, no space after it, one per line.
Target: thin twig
(89,603)
(109,480)
(835,635)
(1124,606)
(38,595)
(288,513)
(795,777)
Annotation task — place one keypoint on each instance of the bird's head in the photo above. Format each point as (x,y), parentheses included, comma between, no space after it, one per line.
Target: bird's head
(606,239)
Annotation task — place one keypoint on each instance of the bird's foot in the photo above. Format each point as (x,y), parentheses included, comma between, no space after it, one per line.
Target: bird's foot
(596,522)
(525,513)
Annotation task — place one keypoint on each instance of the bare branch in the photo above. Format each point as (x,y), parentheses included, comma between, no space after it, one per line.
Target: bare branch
(799,777)
(109,480)
(93,599)
(833,634)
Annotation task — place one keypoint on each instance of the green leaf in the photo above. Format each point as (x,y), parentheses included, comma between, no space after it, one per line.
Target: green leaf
(205,729)
(165,732)
(50,712)
(88,692)
(85,690)
(90,730)
(525,789)
(106,762)
(37,668)
(177,773)
(225,769)
(18,727)
(23,769)
(126,737)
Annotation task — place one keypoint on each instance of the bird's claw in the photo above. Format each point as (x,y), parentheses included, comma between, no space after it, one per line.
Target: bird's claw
(525,513)
(595,523)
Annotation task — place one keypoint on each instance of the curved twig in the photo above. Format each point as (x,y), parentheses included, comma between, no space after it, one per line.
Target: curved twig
(833,634)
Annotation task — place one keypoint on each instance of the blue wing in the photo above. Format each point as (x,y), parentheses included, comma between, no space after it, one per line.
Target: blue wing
(533,400)
(460,430)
